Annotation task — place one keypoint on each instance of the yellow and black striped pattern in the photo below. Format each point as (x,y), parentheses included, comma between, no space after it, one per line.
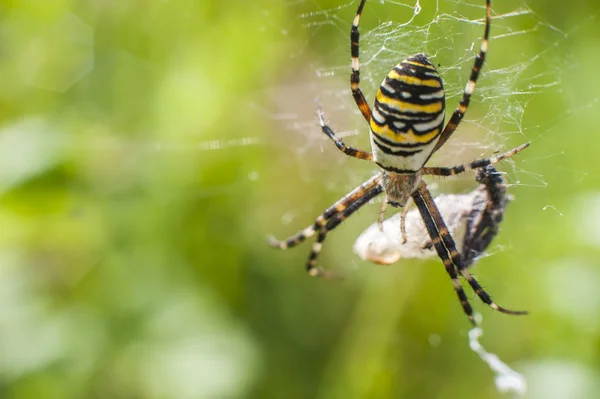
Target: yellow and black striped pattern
(408,115)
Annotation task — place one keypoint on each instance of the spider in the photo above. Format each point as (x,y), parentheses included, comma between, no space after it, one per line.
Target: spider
(405,131)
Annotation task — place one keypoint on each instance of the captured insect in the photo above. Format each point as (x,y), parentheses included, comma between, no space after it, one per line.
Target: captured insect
(473,219)
(406,129)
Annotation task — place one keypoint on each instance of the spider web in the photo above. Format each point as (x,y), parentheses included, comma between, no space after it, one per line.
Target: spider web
(449,33)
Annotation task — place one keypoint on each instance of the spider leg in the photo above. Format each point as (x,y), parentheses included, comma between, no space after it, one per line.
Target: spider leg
(446,249)
(352,152)
(442,251)
(384,205)
(359,97)
(330,212)
(470,87)
(311,267)
(403,223)
(481,163)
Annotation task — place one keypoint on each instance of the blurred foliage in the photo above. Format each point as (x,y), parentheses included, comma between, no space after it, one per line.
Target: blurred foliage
(138,179)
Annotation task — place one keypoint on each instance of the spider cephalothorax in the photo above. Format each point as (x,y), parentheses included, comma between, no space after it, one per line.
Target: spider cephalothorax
(399,187)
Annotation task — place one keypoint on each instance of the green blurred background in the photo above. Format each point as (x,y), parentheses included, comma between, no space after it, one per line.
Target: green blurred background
(147,149)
